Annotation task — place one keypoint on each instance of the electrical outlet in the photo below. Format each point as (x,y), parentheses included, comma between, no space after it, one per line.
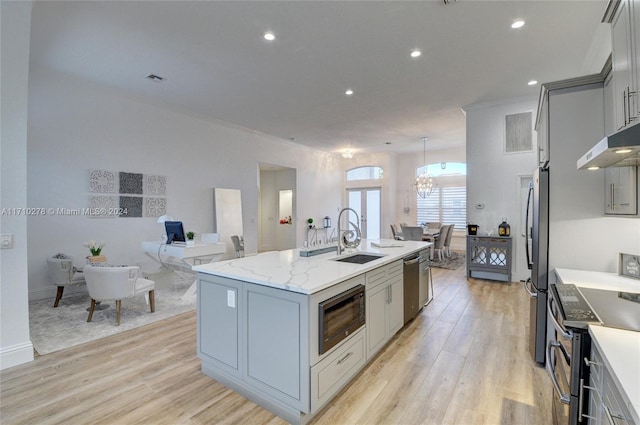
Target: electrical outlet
(6,241)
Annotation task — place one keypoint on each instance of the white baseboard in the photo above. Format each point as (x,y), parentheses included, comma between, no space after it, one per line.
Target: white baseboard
(16,355)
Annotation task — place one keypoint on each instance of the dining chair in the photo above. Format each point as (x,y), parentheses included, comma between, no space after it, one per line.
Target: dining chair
(439,244)
(412,233)
(447,242)
(434,225)
(62,273)
(108,283)
(238,245)
(397,235)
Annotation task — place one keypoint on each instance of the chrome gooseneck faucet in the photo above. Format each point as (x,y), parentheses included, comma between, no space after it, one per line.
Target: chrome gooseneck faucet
(348,244)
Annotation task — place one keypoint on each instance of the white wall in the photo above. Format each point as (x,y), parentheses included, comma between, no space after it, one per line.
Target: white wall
(15,344)
(75,126)
(580,235)
(493,177)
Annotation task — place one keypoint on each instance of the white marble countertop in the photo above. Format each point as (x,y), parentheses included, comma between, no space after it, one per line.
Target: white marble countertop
(307,275)
(598,280)
(620,348)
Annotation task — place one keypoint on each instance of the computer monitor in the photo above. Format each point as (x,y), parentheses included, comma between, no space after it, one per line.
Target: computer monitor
(175,231)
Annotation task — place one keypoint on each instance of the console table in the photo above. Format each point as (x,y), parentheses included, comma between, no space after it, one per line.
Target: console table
(489,257)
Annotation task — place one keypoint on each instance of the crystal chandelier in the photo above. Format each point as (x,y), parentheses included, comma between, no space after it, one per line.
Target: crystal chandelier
(425,182)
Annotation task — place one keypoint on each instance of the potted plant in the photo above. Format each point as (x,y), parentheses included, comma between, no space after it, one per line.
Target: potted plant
(95,248)
(190,236)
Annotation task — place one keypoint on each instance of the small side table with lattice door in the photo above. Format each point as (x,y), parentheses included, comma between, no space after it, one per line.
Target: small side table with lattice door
(489,257)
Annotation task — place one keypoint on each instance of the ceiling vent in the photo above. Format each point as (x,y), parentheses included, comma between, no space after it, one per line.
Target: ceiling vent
(154,77)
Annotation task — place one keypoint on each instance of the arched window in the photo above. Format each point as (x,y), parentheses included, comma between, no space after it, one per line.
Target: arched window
(365,173)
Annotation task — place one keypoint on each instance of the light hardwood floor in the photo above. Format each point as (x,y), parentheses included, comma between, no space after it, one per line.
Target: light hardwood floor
(464,360)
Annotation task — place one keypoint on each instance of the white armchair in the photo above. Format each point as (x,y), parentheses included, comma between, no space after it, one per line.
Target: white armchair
(63,273)
(107,283)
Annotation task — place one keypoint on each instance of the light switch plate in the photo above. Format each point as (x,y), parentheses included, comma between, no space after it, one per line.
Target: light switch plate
(231,298)
(6,241)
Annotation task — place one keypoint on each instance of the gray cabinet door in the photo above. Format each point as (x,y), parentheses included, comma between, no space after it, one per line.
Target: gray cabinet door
(376,318)
(622,66)
(621,191)
(395,307)
(276,333)
(218,323)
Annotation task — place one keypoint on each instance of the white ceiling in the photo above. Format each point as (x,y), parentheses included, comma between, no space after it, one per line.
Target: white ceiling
(217,64)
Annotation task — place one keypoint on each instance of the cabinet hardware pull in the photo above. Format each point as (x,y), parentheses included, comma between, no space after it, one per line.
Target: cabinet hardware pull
(624,107)
(580,398)
(610,415)
(613,205)
(590,363)
(564,398)
(342,360)
(526,288)
(629,94)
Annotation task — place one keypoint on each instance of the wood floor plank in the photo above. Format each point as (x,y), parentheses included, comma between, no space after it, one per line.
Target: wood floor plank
(464,360)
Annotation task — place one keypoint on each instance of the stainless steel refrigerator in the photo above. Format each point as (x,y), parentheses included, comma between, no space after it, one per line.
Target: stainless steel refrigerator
(537,232)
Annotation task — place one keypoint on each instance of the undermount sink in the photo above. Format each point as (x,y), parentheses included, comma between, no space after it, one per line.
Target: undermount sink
(359,258)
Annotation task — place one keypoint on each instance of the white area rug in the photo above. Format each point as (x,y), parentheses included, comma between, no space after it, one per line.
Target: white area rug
(54,329)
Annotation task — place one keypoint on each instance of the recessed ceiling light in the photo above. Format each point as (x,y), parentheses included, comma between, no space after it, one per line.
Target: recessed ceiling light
(269,36)
(532,82)
(593,168)
(517,24)
(154,77)
(624,150)
(349,92)
(416,53)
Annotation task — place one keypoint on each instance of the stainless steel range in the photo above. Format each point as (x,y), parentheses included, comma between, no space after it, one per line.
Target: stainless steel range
(571,310)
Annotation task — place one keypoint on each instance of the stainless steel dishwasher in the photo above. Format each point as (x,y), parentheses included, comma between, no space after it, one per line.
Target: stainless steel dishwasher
(411,283)
(425,285)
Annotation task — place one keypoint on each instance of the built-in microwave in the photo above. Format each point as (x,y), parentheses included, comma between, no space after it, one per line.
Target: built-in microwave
(339,317)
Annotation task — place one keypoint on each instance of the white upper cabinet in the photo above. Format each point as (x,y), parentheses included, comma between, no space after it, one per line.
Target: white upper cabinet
(624,64)
(610,125)
(635,27)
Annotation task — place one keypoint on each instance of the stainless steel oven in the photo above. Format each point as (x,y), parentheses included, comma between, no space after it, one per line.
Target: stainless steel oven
(569,344)
(340,316)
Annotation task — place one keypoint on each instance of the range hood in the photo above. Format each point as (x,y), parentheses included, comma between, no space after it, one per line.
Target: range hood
(621,149)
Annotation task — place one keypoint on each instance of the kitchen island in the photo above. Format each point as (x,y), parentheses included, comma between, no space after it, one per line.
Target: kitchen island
(259,321)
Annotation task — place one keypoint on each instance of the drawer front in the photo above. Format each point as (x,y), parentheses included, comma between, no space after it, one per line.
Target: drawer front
(394,269)
(595,368)
(613,403)
(376,277)
(332,373)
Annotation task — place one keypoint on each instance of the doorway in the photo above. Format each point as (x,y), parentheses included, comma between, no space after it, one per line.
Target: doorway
(367,203)
(277,208)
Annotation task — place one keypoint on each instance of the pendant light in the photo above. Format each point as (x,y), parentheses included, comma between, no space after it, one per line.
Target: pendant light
(425,182)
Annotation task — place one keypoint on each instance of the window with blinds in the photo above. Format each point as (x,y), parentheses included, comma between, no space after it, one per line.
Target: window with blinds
(447,205)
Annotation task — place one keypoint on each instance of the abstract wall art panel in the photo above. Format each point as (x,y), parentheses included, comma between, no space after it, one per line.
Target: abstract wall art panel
(155,207)
(155,185)
(130,206)
(103,181)
(131,183)
(103,206)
